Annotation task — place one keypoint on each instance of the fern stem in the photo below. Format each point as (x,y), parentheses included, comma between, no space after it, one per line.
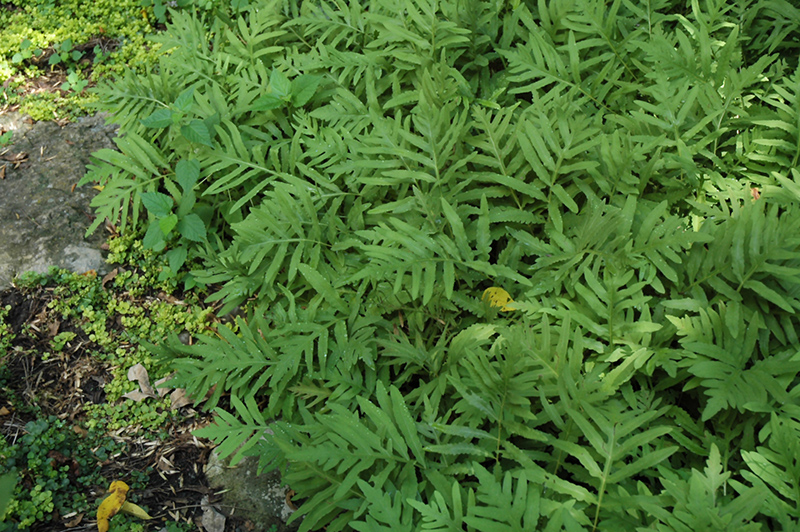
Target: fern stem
(606,474)
(500,425)
(560,454)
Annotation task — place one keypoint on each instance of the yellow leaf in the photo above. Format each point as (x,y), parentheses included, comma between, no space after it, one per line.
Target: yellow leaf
(497,297)
(99,187)
(111,504)
(134,510)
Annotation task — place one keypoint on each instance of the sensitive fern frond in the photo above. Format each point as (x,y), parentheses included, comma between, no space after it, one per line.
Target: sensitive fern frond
(366,171)
(236,434)
(700,501)
(123,177)
(724,363)
(229,363)
(551,72)
(616,453)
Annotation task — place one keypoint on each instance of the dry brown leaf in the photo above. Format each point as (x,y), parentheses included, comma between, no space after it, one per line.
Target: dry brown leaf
(75,521)
(137,396)
(179,399)
(161,390)
(4,411)
(289,502)
(109,277)
(177,396)
(138,373)
(172,300)
(165,465)
(16,159)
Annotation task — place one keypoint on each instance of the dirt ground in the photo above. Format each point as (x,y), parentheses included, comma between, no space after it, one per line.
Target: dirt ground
(64,384)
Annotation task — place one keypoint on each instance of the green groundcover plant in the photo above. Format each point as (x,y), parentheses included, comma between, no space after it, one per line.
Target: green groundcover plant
(352,176)
(53,464)
(84,42)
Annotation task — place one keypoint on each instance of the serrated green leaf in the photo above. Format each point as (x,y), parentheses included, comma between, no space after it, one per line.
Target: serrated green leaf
(279,84)
(154,237)
(167,223)
(176,258)
(197,132)
(157,204)
(303,88)
(160,118)
(191,227)
(268,102)
(187,172)
(185,100)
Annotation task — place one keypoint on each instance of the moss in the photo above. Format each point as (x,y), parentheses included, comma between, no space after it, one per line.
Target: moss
(50,105)
(152,269)
(98,40)
(6,333)
(117,318)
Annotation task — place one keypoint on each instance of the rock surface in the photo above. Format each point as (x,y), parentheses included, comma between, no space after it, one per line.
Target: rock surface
(43,216)
(260,498)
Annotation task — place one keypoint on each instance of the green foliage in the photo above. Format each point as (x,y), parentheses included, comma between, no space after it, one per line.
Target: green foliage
(6,332)
(363,172)
(52,464)
(50,106)
(86,41)
(7,484)
(74,82)
(54,467)
(63,30)
(101,312)
(150,270)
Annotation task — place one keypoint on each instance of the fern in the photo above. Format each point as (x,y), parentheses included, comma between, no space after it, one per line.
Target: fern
(241,431)
(775,467)
(622,455)
(246,365)
(124,178)
(700,500)
(365,171)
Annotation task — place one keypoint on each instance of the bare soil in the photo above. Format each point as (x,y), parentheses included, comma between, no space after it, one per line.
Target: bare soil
(64,384)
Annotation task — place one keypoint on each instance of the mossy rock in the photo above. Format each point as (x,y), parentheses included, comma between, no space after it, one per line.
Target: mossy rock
(261,498)
(43,214)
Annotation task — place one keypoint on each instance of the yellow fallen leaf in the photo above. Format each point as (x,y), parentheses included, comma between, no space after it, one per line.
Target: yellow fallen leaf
(99,187)
(134,510)
(111,504)
(497,297)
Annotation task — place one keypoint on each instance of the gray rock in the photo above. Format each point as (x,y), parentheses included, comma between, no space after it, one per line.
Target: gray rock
(259,498)
(43,216)
(212,520)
